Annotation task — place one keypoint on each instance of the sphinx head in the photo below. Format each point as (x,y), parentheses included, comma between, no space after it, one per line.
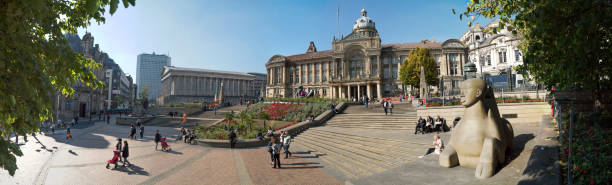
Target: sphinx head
(472,91)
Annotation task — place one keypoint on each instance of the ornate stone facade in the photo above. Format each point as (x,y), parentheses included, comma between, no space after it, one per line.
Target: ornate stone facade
(494,53)
(201,85)
(359,65)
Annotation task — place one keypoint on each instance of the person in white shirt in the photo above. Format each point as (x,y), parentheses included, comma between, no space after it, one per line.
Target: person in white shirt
(286,143)
(438,144)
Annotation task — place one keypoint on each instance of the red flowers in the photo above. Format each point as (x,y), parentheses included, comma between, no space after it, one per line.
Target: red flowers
(278,110)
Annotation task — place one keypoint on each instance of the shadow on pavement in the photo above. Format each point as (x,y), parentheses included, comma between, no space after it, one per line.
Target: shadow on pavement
(132,170)
(174,152)
(519,145)
(301,163)
(300,167)
(542,166)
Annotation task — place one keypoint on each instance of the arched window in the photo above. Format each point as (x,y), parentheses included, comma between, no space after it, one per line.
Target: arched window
(357,64)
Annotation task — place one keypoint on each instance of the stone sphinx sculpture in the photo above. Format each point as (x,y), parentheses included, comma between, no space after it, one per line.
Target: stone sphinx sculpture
(482,139)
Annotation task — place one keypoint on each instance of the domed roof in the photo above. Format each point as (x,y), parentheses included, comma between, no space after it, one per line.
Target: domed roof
(364,21)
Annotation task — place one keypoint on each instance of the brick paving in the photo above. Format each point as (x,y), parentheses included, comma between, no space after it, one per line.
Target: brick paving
(295,170)
(83,160)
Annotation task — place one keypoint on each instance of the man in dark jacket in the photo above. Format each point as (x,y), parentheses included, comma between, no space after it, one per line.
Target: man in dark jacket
(232,137)
(141,131)
(157,139)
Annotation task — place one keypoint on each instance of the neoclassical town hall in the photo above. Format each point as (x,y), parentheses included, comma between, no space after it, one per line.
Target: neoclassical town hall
(359,65)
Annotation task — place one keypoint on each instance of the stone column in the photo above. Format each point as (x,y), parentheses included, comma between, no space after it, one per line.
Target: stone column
(369,90)
(380,67)
(358,91)
(333,92)
(378,91)
(348,92)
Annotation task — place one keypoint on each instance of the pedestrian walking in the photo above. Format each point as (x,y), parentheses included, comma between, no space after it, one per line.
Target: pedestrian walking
(132,131)
(181,133)
(390,105)
(286,144)
(68,136)
(125,153)
(157,138)
(367,100)
(141,131)
(276,151)
(53,128)
(232,137)
(385,104)
(270,151)
(119,146)
(138,123)
(107,119)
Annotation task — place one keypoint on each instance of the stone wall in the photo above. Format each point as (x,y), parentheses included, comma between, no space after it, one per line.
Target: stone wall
(525,112)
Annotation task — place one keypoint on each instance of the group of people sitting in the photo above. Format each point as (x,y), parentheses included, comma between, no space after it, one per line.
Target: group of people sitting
(187,135)
(430,124)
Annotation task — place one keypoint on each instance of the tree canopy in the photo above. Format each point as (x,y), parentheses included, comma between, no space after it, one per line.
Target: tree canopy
(36,62)
(410,70)
(565,43)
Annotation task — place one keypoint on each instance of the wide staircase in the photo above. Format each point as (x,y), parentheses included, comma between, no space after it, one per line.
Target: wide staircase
(359,143)
(404,121)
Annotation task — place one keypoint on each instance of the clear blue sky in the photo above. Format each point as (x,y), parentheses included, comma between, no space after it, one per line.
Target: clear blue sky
(241,35)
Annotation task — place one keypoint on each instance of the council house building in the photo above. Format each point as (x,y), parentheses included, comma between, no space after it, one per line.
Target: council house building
(359,65)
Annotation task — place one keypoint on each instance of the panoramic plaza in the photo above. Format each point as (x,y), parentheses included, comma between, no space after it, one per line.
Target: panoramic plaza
(265,92)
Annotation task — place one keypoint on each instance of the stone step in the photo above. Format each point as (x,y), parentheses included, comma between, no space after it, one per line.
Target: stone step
(341,165)
(377,128)
(373,119)
(375,153)
(357,155)
(370,123)
(322,129)
(348,161)
(400,149)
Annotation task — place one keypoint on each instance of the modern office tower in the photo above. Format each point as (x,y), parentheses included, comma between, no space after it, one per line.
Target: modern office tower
(148,73)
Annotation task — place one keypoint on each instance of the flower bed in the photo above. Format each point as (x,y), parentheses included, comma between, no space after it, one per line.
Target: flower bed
(289,111)
(436,102)
(591,151)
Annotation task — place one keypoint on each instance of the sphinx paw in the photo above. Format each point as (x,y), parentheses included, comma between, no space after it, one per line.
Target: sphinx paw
(484,170)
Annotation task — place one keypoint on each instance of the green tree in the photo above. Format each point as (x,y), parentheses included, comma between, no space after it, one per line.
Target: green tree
(263,115)
(410,70)
(36,61)
(229,116)
(144,94)
(564,43)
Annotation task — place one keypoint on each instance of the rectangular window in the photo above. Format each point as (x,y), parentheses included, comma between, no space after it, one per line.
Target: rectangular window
(502,57)
(297,74)
(386,72)
(403,59)
(374,64)
(317,73)
(437,58)
(517,55)
(393,60)
(291,75)
(339,68)
(332,68)
(488,60)
(453,60)
(310,71)
(324,72)
(303,74)
(386,61)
